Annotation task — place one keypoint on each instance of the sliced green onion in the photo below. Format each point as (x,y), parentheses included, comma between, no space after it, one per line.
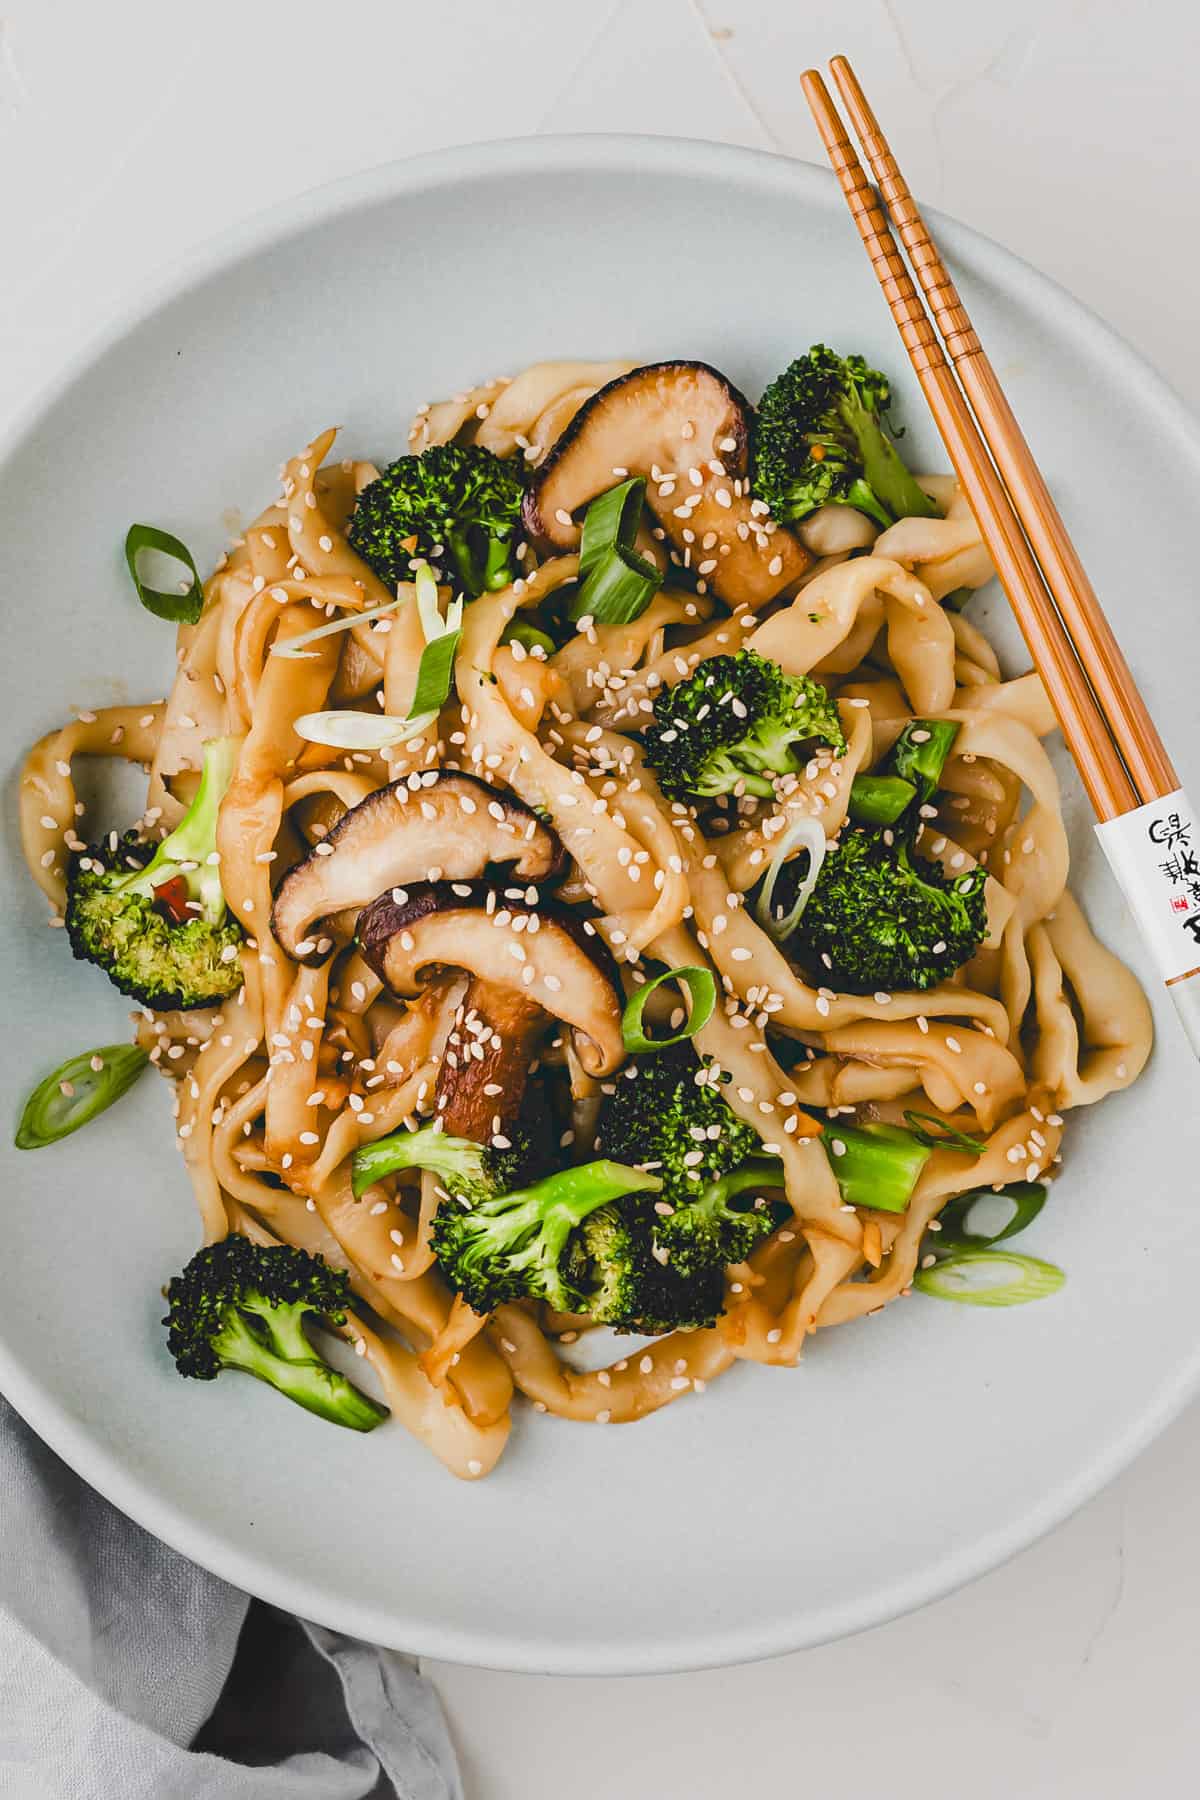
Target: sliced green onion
(180,609)
(990,1278)
(803,834)
(360,730)
(956,599)
(876,1165)
(1027,1197)
(76,1092)
(435,673)
(702,992)
(611,522)
(618,588)
(880,799)
(520,631)
(296,646)
(944,1137)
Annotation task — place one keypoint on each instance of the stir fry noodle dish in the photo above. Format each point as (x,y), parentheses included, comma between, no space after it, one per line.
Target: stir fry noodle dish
(594,877)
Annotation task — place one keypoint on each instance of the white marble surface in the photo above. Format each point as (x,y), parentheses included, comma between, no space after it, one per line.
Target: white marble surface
(1064,128)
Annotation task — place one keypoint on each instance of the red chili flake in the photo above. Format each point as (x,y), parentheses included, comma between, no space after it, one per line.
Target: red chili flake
(172,898)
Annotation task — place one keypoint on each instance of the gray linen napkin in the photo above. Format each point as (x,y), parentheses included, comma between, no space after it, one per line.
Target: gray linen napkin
(115,1651)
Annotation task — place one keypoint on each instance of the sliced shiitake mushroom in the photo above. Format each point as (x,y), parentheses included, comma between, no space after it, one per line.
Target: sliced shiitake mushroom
(684,428)
(492,1046)
(457,824)
(553,963)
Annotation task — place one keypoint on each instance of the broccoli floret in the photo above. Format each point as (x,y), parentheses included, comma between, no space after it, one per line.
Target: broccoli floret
(818,438)
(469,1171)
(662,1111)
(454,502)
(517,1246)
(666,1115)
(154,919)
(882,918)
(723,1221)
(737,724)
(619,1264)
(239,1305)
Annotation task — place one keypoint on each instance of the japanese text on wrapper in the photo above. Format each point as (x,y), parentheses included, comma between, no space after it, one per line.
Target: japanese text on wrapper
(1179,867)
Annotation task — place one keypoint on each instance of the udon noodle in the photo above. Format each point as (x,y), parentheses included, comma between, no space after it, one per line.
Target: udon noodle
(274,1091)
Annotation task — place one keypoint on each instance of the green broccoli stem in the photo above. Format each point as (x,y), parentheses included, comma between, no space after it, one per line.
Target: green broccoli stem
(875,1165)
(555,1206)
(880,799)
(759,1172)
(466,563)
(725,773)
(920,752)
(306,1379)
(498,566)
(886,476)
(863,498)
(452,1158)
(530,636)
(910,774)
(185,851)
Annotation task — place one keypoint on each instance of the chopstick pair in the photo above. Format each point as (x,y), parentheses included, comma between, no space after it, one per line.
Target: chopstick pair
(1148,833)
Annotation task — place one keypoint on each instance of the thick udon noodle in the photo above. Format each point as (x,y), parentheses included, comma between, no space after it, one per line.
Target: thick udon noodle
(274,1091)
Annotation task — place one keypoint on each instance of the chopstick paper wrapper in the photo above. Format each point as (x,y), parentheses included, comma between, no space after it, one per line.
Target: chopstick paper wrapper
(1154,852)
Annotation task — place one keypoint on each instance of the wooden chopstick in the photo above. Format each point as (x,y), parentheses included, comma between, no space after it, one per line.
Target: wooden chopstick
(1084,725)
(1142,811)
(1099,652)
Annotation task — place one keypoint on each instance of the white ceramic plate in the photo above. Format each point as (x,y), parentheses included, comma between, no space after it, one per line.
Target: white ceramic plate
(909,1452)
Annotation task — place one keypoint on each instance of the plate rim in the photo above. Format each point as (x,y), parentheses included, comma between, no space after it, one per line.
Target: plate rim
(71,1438)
